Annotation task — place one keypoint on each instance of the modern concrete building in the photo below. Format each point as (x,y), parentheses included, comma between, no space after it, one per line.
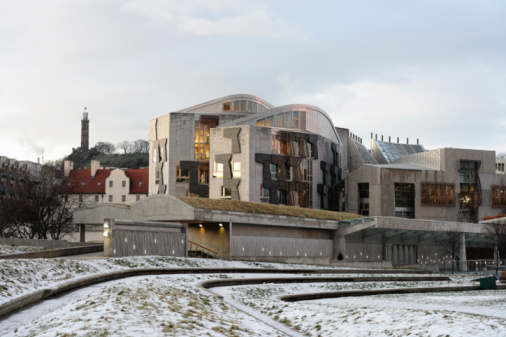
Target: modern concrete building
(241,147)
(445,184)
(13,173)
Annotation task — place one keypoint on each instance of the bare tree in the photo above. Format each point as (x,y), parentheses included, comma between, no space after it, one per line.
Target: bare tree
(500,155)
(126,146)
(40,209)
(497,233)
(141,146)
(105,147)
(450,245)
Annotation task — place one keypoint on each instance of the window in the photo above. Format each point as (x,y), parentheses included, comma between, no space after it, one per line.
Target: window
(140,183)
(110,198)
(305,197)
(265,194)
(154,156)
(137,197)
(261,122)
(202,132)
(274,171)
(363,199)
(110,183)
(438,194)
(218,170)
(227,106)
(99,183)
(405,199)
(182,176)
(363,190)
(498,196)
(280,120)
(283,197)
(80,198)
(83,183)
(269,121)
(288,119)
(203,175)
(157,177)
(96,198)
(123,183)
(236,169)
(306,170)
(123,198)
(295,120)
(288,169)
(226,193)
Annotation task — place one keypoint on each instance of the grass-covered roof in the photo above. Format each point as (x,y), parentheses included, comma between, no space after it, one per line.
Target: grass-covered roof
(261,208)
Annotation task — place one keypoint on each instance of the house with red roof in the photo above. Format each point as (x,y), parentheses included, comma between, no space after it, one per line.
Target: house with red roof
(99,185)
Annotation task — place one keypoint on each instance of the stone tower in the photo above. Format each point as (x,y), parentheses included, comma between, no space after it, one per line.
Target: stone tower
(85,131)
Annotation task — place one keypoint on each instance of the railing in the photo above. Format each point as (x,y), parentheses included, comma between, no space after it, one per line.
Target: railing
(472,266)
(203,249)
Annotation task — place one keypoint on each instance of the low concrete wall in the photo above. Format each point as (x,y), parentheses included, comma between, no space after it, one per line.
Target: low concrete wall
(47,254)
(338,294)
(34,242)
(135,238)
(359,264)
(38,295)
(285,259)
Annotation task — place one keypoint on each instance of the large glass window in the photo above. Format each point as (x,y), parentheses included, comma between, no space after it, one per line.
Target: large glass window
(498,196)
(202,132)
(438,194)
(404,200)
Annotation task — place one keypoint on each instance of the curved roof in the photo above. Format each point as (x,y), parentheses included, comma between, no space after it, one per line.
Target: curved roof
(211,106)
(332,133)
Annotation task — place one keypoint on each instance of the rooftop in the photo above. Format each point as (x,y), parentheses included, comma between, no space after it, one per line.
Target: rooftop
(261,208)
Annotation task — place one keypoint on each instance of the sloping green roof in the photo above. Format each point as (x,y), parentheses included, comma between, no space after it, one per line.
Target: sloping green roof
(261,208)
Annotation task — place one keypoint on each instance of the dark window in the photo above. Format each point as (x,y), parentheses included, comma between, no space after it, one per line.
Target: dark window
(123,183)
(405,199)
(110,183)
(110,198)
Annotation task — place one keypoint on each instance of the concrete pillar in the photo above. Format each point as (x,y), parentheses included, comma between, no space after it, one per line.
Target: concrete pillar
(407,256)
(230,240)
(82,233)
(395,255)
(186,247)
(463,256)
(108,233)
(338,245)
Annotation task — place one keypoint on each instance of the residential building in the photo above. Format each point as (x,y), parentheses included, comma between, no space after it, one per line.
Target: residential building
(106,185)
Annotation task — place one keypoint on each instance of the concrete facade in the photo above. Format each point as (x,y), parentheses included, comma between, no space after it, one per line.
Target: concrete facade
(437,167)
(243,148)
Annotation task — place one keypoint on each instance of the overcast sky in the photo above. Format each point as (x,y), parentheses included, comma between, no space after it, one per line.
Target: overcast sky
(433,70)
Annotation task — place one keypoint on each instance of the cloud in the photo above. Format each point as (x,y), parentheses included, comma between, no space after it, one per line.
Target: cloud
(32,146)
(222,18)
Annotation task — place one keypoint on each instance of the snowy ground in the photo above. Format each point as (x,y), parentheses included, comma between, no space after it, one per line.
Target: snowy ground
(174,305)
(5,249)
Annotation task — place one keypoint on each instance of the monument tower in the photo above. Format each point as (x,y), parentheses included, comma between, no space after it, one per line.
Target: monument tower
(85,131)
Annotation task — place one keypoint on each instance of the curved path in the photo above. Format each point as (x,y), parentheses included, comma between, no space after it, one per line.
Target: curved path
(86,285)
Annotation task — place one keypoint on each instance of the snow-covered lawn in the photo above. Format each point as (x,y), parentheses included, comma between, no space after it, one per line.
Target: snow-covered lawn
(5,249)
(175,305)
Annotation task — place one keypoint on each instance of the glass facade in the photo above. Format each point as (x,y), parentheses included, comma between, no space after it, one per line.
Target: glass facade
(393,151)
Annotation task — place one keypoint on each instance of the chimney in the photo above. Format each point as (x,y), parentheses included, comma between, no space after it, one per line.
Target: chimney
(389,140)
(397,140)
(417,141)
(67,167)
(371,136)
(407,140)
(95,165)
(381,137)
